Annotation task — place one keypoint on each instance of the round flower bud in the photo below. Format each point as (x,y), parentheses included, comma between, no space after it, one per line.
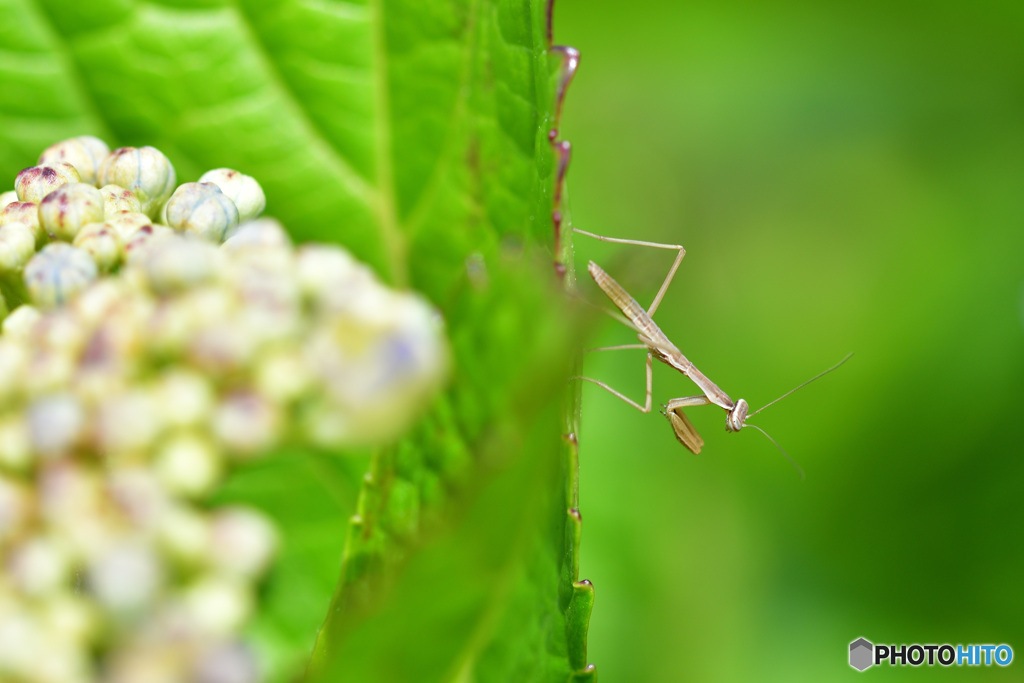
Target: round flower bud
(382,374)
(70,617)
(184,534)
(17,246)
(102,242)
(71,492)
(218,606)
(15,444)
(227,663)
(144,239)
(243,541)
(23,643)
(258,234)
(185,398)
(21,322)
(241,189)
(189,465)
(126,578)
(138,494)
(55,424)
(201,208)
(127,423)
(35,182)
(219,348)
(39,566)
(331,277)
(283,375)
(84,152)
(180,262)
(57,273)
(143,170)
(246,423)
(8,198)
(117,199)
(152,660)
(63,212)
(15,508)
(127,223)
(26,213)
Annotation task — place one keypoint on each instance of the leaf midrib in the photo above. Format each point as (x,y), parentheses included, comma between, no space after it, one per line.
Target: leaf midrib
(391,236)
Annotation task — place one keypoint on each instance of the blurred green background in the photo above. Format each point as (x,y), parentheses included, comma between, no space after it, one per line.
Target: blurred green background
(845,177)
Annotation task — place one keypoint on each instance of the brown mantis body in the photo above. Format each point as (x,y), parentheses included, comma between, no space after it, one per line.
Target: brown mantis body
(659,346)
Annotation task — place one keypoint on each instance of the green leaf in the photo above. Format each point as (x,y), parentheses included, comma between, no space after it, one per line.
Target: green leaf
(414,132)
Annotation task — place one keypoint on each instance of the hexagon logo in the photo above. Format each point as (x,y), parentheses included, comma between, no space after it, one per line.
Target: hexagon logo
(861,654)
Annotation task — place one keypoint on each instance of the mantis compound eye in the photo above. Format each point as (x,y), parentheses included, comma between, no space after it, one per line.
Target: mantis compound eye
(737,416)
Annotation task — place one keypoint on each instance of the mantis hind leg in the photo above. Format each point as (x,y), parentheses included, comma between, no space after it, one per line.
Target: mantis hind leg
(656,245)
(646,407)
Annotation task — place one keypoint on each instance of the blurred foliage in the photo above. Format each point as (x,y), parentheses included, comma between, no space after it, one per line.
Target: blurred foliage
(845,177)
(416,134)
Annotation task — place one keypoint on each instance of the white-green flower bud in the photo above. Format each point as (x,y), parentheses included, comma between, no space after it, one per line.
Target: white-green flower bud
(270,307)
(143,239)
(143,170)
(55,424)
(218,348)
(65,662)
(17,246)
(51,372)
(331,278)
(23,643)
(202,209)
(227,663)
(8,197)
(184,534)
(126,578)
(138,494)
(218,606)
(102,242)
(127,423)
(382,382)
(243,541)
(20,322)
(14,355)
(84,152)
(180,262)
(185,398)
(127,223)
(189,465)
(74,499)
(152,660)
(283,375)
(71,618)
(241,189)
(26,213)
(15,509)
(171,329)
(100,302)
(57,273)
(117,199)
(63,212)
(39,566)
(35,182)
(15,444)
(247,424)
(262,233)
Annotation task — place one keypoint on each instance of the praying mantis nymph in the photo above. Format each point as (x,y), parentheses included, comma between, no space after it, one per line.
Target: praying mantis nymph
(659,346)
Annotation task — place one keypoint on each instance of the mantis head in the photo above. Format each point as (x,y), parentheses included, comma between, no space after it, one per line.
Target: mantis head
(735,418)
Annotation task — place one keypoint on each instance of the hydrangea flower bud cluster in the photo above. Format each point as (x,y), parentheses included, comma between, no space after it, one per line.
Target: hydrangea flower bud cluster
(151,361)
(108,203)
